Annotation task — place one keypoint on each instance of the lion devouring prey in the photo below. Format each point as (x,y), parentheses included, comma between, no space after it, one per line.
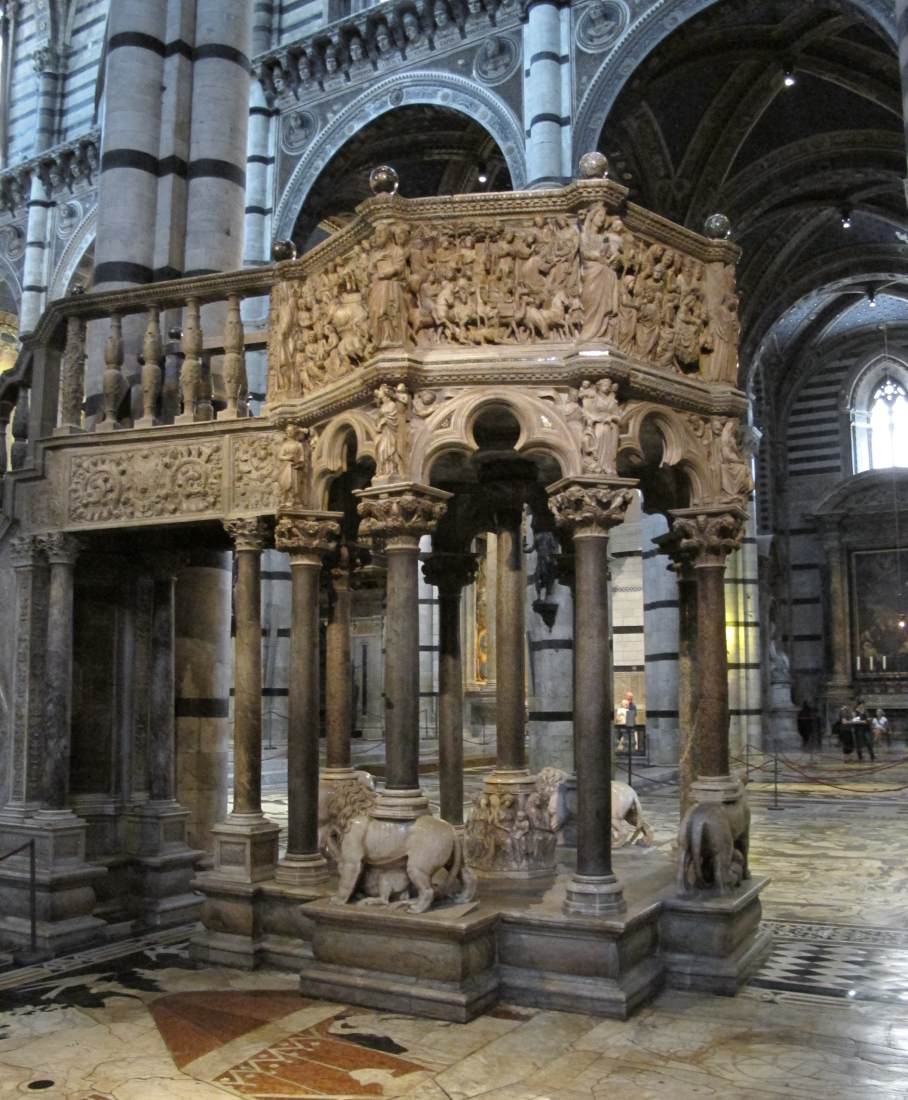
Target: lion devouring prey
(388,859)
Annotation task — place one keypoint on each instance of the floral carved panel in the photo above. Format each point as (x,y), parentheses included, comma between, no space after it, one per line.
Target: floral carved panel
(254,465)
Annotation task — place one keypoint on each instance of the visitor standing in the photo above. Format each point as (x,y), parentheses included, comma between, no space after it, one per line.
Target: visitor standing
(861,726)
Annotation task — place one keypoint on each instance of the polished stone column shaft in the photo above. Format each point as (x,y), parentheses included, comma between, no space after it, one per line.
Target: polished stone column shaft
(838,606)
(589,507)
(400,514)
(449,573)
(303,711)
(162,722)
(712,666)
(247,710)
(510,648)
(61,551)
(339,673)
(402,665)
(688,751)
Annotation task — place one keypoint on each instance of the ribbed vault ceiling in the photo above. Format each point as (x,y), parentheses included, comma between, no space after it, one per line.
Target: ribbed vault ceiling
(707,124)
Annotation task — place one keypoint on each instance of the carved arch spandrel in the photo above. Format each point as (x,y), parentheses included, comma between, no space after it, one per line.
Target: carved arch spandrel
(681,446)
(543,429)
(331,453)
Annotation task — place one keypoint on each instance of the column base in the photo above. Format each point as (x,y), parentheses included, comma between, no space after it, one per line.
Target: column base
(337,775)
(508,834)
(716,788)
(146,422)
(594,895)
(302,871)
(400,805)
(245,848)
(65,885)
(714,944)
(162,864)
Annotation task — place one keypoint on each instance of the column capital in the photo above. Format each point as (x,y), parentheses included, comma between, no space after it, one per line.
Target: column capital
(25,551)
(247,533)
(400,512)
(449,572)
(709,533)
(304,531)
(60,548)
(588,505)
(681,558)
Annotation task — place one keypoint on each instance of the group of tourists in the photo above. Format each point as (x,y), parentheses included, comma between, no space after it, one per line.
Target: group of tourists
(859,731)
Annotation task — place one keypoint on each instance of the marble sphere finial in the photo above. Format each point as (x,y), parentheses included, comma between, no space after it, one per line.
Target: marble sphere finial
(283,250)
(384,180)
(593,166)
(718,227)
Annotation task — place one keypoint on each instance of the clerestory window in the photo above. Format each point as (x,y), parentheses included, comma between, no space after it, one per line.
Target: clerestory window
(879,416)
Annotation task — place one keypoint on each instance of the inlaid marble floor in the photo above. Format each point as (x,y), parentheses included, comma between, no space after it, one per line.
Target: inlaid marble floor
(827,1016)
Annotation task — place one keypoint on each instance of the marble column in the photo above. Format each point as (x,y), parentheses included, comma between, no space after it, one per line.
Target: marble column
(450,573)
(307,537)
(156,829)
(839,624)
(339,674)
(544,115)
(510,651)
(660,643)
(61,551)
(709,534)
(688,749)
(246,843)
(901,24)
(400,514)
(589,507)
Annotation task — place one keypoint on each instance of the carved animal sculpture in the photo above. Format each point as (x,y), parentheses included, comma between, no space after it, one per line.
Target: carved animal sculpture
(381,884)
(707,857)
(338,804)
(428,849)
(626,808)
(627,811)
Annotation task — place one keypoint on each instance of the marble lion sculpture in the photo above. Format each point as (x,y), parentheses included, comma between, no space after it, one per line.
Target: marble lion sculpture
(378,856)
(712,847)
(338,804)
(626,808)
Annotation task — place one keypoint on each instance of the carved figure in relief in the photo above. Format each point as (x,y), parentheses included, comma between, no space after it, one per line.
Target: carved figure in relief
(387,292)
(600,258)
(734,474)
(428,850)
(294,467)
(393,441)
(689,330)
(648,315)
(719,362)
(601,417)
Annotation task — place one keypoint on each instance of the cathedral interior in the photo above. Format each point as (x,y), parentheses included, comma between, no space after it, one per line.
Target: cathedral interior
(453,615)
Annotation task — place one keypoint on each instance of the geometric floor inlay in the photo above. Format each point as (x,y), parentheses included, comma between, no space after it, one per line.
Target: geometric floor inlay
(194,1024)
(836,970)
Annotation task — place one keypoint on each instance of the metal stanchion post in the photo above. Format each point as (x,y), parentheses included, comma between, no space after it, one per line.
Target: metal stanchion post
(630,755)
(33,895)
(775,796)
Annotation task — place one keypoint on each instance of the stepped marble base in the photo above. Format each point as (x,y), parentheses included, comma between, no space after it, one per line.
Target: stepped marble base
(714,944)
(439,964)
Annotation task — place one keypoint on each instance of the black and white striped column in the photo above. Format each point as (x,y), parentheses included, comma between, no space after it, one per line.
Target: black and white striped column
(259,153)
(216,199)
(546,115)
(660,644)
(901,32)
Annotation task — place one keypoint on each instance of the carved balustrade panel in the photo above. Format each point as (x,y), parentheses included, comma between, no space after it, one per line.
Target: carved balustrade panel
(475,272)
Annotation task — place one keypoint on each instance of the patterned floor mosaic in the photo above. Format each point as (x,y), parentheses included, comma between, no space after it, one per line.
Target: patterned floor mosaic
(826,1017)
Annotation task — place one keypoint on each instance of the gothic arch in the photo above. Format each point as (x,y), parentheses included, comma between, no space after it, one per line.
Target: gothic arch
(640,38)
(427,88)
(82,239)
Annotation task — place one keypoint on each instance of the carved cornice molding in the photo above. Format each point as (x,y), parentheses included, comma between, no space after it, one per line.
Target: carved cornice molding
(590,505)
(62,168)
(400,512)
(247,533)
(709,534)
(307,533)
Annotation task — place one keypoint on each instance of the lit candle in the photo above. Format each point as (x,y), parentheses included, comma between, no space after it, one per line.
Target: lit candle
(859,664)
(884,662)
(870,659)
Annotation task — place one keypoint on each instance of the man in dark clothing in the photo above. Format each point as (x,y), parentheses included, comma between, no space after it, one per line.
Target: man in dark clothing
(807,725)
(861,727)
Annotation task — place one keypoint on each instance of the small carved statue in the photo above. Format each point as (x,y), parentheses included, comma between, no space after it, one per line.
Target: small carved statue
(713,843)
(294,467)
(392,445)
(601,416)
(600,259)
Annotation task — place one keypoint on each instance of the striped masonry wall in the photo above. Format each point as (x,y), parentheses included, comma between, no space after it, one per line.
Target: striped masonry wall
(545,115)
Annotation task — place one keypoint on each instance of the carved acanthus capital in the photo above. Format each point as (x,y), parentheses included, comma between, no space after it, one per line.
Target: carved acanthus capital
(24,551)
(681,557)
(307,532)
(590,505)
(60,548)
(709,534)
(406,511)
(46,60)
(449,572)
(247,534)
